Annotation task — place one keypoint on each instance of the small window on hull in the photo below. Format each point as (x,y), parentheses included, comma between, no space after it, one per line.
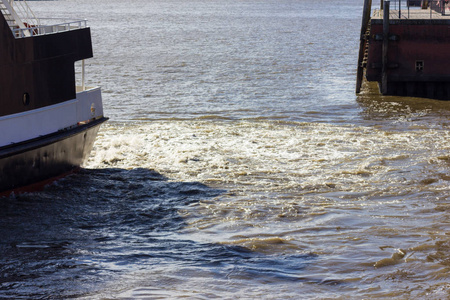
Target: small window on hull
(419,65)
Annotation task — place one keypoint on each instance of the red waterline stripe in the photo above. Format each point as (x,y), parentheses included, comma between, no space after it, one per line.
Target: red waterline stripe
(38,186)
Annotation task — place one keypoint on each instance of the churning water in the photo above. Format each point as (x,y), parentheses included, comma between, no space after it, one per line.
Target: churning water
(238,163)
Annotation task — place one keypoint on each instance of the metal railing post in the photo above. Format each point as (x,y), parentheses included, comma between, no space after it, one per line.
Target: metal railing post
(408,8)
(384,51)
(430,5)
(83,86)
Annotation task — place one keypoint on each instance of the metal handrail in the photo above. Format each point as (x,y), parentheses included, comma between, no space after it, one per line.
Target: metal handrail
(399,6)
(438,6)
(14,19)
(49,29)
(24,11)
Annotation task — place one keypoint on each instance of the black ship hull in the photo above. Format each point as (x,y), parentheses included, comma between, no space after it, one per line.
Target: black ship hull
(26,164)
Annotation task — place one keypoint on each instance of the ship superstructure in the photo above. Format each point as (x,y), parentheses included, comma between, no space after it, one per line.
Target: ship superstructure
(47,123)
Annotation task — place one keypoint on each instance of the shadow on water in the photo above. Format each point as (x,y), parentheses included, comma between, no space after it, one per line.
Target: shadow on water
(94,226)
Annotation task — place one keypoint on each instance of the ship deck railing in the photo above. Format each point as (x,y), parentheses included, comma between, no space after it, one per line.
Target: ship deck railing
(415,9)
(49,26)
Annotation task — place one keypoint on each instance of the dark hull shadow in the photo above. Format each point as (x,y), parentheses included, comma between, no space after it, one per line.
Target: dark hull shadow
(90,228)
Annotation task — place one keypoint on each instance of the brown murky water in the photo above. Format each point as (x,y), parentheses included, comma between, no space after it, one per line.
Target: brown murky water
(238,163)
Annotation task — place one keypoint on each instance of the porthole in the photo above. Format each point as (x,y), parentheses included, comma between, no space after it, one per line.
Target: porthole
(26,99)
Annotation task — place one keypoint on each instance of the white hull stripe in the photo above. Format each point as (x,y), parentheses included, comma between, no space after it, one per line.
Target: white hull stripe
(32,124)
